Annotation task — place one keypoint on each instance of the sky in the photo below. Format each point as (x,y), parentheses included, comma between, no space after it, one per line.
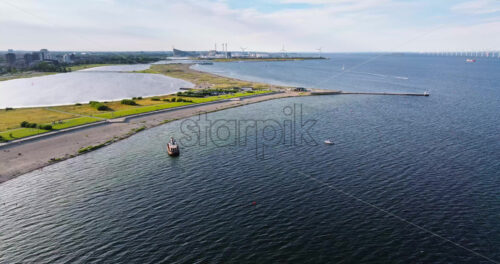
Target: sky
(261,25)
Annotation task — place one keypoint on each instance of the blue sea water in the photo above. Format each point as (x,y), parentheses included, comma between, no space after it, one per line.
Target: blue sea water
(406,176)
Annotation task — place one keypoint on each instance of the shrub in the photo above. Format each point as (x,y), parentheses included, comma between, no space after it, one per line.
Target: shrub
(184,100)
(139,129)
(28,124)
(103,108)
(139,98)
(78,104)
(99,106)
(45,127)
(9,108)
(208,92)
(90,148)
(134,98)
(156,98)
(128,102)
(2,139)
(172,100)
(166,100)
(200,93)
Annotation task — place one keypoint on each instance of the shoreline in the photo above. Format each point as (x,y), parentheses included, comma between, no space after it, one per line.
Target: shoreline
(31,74)
(24,157)
(70,115)
(35,152)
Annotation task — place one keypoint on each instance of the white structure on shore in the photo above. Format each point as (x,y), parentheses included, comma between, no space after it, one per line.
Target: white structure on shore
(66,58)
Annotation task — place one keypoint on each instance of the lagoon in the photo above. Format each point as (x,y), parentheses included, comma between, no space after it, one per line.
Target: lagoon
(105,83)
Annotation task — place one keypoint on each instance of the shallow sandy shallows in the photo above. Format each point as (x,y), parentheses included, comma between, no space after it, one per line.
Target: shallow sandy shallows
(17,159)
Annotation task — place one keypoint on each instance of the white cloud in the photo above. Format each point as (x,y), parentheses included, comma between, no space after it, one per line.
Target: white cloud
(345,25)
(477,7)
(483,36)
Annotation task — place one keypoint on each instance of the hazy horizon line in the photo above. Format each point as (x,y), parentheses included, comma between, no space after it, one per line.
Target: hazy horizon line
(239,51)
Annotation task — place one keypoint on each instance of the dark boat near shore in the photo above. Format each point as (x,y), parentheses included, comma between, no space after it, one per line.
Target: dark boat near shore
(173,148)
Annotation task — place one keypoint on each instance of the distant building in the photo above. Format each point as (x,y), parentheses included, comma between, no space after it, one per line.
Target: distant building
(10,58)
(260,55)
(44,54)
(35,56)
(66,58)
(240,55)
(246,89)
(182,53)
(212,53)
(28,59)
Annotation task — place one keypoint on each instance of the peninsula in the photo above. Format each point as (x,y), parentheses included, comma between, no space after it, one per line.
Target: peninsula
(208,88)
(77,129)
(36,137)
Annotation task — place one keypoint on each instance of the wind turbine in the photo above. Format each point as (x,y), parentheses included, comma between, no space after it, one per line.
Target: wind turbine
(319,50)
(283,51)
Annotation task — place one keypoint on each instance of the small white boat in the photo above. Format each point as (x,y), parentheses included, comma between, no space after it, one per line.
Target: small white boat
(329,142)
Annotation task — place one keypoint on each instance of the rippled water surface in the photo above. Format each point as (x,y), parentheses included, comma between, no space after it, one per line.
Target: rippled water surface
(431,160)
(100,84)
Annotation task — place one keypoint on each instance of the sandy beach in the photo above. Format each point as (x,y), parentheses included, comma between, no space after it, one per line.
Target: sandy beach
(20,158)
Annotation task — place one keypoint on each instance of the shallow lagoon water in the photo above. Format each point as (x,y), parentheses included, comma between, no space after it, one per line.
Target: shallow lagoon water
(105,83)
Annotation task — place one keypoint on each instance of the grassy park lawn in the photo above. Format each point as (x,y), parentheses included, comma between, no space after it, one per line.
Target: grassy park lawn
(75,122)
(12,119)
(182,71)
(21,132)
